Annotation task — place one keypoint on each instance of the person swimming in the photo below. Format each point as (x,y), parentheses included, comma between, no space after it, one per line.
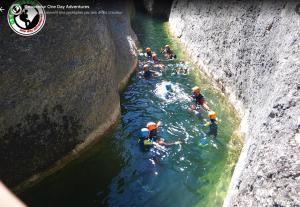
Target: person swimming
(145,140)
(213,124)
(152,127)
(156,62)
(147,73)
(148,53)
(181,68)
(200,105)
(168,53)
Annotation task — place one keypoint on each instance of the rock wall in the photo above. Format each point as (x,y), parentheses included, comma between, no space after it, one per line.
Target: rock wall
(252,51)
(60,88)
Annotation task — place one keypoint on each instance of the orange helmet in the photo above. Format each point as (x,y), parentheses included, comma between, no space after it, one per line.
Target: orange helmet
(148,49)
(212,115)
(151,126)
(196,88)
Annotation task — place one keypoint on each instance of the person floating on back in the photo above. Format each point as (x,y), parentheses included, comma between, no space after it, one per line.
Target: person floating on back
(200,105)
(168,53)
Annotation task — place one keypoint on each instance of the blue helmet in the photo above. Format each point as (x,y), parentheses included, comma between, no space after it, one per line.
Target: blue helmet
(144,132)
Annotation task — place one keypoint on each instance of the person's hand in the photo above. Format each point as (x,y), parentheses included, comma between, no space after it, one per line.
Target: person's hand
(193,107)
(159,123)
(177,142)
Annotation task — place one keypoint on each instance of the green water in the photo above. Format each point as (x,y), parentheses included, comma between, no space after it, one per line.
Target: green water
(115,172)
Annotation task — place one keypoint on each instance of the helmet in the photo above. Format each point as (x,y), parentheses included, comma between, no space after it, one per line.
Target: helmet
(151,126)
(196,88)
(144,132)
(146,66)
(167,46)
(212,115)
(148,49)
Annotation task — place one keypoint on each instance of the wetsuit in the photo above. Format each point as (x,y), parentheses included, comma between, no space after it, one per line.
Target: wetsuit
(213,128)
(147,74)
(153,134)
(199,99)
(145,143)
(149,55)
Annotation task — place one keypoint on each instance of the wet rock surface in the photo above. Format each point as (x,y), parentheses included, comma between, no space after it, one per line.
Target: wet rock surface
(59,86)
(252,51)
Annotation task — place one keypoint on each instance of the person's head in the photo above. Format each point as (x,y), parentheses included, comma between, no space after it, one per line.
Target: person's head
(144,132)
(148,49)
(212,115)
(196,90)
(152,126)
(167,46)
(181,62)
(154,57)
(146,67)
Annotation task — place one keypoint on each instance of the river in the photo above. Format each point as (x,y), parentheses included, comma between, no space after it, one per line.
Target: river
(114,172)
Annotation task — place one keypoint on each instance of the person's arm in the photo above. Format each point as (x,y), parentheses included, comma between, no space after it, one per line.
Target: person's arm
(205,106)
(172,143)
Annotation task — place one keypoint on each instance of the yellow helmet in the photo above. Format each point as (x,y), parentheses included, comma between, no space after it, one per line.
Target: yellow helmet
(196,88)
(151,126)
(212,115)
(167,46)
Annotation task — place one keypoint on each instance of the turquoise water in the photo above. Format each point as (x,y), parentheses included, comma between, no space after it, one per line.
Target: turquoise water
(115,172)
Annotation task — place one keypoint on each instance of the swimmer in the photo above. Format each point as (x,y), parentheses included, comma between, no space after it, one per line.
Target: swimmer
(168,53)
(156,62)
(200,104)
(147,73)
(181,68)
(152,127)
(213,124)
(148,53)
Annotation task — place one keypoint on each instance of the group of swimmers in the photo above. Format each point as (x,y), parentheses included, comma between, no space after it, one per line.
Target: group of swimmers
(153,62)
(148,135)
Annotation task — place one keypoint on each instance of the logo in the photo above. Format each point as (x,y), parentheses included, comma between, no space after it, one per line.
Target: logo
(26,17)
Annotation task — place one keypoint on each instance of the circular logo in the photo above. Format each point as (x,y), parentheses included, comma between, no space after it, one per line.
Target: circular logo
(26,17)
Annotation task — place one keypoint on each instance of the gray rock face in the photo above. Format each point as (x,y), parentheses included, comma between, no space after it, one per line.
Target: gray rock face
(252,50)
(60,86)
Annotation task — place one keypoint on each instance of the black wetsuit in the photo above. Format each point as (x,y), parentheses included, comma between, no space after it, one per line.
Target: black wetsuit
(147,74)
(213,128)
(199,99)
